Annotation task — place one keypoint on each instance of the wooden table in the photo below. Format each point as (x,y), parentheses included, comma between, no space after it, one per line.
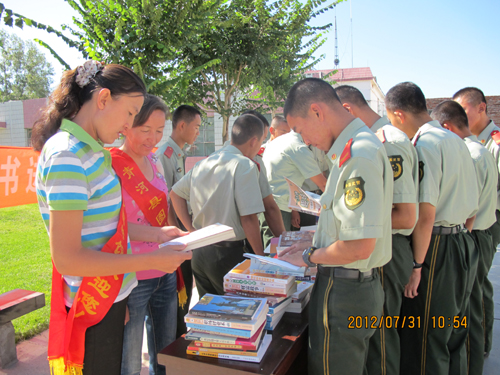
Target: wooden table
(288,347)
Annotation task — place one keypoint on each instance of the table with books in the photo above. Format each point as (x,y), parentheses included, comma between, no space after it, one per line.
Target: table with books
(259,326)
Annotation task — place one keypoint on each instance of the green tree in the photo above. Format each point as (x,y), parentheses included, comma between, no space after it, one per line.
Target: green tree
(212,53)
(259,45)
(24,71)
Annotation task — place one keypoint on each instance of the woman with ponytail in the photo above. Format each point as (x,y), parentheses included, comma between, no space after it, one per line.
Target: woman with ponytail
(79,196)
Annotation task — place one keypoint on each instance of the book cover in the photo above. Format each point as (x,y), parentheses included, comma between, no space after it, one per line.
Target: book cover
(260,353)
(280,292)
(226,331)
(226,307)
(287,239)
(303,287)
(271,300)
(250,325)
(242,271)
(273,321)
(276,262)
(251,353)
(214,339)
(203,237)
(275,309)
(303,201)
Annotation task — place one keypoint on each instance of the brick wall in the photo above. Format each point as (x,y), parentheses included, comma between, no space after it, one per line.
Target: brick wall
(493,103)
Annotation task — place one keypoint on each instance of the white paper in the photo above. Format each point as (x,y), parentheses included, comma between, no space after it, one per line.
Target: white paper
(276,262)
(203,237)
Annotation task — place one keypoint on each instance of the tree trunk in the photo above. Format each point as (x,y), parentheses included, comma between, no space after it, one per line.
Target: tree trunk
(225,128)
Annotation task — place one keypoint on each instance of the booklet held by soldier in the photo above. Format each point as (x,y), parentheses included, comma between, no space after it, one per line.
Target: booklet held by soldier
(303,201)
(203,237)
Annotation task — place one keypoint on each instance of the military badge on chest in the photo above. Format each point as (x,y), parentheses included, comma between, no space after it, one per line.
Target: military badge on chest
(397,165)
(354,192)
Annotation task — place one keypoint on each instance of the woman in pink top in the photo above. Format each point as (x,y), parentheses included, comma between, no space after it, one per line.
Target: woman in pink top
(144,191)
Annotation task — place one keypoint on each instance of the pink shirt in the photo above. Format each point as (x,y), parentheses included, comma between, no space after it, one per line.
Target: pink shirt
(135,215)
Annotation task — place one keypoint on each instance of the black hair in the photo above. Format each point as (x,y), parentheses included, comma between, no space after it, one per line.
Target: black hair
(450,111)
(350,94)
(260,116)
(151,104)
(472,95)
(278,120)
(245,128)
(68,97)
(308,91)
(184,113)
(407,97)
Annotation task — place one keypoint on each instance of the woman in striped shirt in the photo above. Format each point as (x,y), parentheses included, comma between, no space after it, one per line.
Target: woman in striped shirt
(80,201)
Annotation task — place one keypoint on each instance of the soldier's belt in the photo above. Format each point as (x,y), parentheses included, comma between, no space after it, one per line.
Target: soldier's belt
(344,273)
(448,230)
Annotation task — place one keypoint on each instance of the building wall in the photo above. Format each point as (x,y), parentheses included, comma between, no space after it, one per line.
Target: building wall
(14,134)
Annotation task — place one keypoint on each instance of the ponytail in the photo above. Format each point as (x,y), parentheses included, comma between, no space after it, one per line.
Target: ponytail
(69,97)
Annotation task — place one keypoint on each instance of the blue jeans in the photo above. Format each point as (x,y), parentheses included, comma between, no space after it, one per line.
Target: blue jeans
(153,301)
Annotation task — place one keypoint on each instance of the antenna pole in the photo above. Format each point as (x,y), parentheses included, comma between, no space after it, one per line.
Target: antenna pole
(352,43)
(336,61)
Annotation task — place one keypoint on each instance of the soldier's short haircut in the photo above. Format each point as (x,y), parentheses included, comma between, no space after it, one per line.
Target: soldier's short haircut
(277,120)
(245,128)
(306,92)
(350,94)
(450,112)
(260,116)
(407,97)
(471,95)
(184,113)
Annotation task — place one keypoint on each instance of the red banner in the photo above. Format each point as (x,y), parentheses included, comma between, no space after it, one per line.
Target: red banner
(18,172)
(17,176)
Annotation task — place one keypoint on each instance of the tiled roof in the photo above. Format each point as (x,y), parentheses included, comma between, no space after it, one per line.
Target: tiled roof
(493,103)
(347,74)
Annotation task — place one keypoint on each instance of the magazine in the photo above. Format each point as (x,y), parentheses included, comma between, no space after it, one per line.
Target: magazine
(303,201)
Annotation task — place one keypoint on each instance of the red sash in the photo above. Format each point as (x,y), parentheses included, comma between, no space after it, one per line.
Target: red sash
(151,201)
(92,302)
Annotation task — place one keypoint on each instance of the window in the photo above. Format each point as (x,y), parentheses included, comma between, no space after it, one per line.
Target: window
(205,143)
(28,137)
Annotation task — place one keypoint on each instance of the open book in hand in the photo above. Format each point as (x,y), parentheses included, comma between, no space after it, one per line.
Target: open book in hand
(273,261)
(203,237)
(303,201)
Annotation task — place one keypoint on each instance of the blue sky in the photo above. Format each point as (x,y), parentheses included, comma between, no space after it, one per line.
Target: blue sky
(441,45)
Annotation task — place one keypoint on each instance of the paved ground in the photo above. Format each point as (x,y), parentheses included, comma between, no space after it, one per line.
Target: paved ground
(32,354)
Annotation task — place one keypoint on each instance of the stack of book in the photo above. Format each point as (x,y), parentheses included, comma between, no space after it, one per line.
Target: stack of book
(276,287)
(301,297)
(228,327)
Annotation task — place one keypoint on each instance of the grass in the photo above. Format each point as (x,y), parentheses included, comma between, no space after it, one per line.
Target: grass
(25,263)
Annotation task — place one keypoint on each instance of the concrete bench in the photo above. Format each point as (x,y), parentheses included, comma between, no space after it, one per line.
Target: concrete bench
(14,304)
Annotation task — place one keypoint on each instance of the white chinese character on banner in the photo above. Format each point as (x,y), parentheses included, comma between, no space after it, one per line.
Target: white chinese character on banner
(10,175)
(31,174)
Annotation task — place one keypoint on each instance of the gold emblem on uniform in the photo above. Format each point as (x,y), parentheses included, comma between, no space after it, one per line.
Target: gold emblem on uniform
(397,165)
(179,170)
(354,192)
(420,170)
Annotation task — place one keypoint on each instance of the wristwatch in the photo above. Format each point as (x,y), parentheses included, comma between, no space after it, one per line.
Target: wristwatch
(306,255)
(417,265)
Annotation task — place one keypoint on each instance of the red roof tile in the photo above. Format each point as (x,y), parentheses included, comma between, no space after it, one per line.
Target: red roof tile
(347,74)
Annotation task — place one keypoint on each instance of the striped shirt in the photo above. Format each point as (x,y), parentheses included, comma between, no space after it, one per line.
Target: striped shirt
(74,173)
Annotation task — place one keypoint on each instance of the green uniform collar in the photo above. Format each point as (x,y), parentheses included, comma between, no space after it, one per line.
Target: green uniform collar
(178,151)
(485,134)
(471,138)
(379,123)
(78,132)
(339,144)
(232,149)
